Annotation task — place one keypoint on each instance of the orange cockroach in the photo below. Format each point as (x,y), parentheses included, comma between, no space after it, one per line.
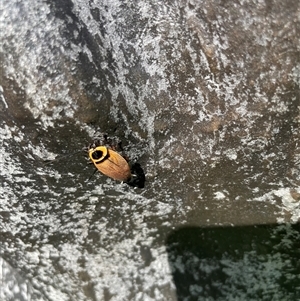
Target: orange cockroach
(110,163)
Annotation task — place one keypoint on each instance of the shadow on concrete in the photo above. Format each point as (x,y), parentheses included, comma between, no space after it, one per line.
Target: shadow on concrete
(236,263)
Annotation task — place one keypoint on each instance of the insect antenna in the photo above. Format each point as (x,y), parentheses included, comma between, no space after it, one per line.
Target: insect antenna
(61,157)
(92,174)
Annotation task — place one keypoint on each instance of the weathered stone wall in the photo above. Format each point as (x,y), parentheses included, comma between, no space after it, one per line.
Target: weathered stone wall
(203,94)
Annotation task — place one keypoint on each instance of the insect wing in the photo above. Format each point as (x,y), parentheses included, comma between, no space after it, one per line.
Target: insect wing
(115,166)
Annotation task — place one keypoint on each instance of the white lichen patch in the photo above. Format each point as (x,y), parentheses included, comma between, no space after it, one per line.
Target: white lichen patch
(288,206)
(219,195)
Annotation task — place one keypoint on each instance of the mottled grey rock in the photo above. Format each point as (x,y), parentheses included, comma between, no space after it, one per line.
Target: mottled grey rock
(204,95)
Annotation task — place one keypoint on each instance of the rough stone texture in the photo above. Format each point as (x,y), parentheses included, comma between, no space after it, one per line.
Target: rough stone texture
(205,95)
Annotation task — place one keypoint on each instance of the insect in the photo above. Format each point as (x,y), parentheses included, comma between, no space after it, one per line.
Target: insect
(105,157)
(111,163)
